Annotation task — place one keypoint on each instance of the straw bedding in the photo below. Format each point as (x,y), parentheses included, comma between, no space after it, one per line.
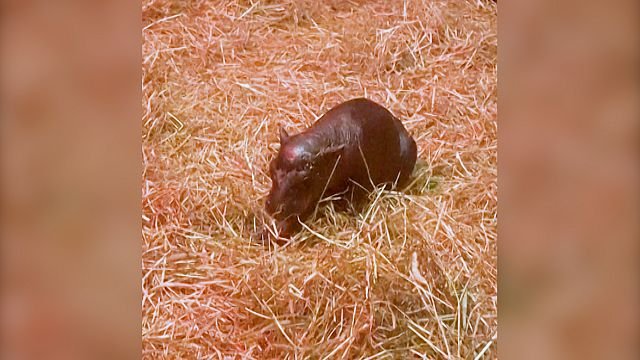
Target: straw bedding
(413,275)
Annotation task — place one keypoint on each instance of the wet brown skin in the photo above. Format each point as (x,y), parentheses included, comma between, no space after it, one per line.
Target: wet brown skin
(354,147)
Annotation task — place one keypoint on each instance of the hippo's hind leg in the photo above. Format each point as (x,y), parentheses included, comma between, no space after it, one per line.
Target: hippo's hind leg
(409,155)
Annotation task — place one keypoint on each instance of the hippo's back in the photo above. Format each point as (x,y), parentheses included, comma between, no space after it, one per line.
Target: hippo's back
(379,148)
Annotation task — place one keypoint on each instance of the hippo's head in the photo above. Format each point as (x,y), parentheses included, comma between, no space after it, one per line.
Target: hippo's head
(299,173)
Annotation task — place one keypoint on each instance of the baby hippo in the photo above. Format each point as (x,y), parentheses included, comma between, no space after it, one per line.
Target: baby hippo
(354,147)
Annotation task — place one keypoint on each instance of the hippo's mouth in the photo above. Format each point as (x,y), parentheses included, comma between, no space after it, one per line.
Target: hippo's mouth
(289,225)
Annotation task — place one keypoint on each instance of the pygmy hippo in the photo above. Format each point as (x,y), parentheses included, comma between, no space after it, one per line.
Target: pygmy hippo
(354,147)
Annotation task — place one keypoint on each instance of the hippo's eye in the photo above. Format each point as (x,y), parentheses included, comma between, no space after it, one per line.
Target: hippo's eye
(306,166)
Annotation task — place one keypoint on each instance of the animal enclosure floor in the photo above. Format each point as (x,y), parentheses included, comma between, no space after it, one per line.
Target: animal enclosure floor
(413,275)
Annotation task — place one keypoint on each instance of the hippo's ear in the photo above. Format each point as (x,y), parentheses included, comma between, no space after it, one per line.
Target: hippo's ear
(284,136)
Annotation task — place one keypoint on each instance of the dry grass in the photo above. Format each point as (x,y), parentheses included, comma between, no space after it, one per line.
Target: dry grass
(412,276)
